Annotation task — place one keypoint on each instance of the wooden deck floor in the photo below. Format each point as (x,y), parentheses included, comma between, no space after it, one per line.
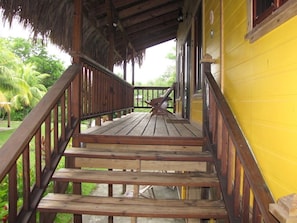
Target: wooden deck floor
(143,124)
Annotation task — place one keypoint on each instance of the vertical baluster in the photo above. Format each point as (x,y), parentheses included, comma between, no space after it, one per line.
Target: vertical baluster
(90,86)
(92,92)
(84,91)
(245,201)
(231,167)
(219,136)
(87,87)
(96,91)
(237,187)
(12,194)
(38,158)
(213,122)
(26,178)
(256,213)
(225,145)
(56,129)
(211,113)
(47,146)
(63,117)
(69,109)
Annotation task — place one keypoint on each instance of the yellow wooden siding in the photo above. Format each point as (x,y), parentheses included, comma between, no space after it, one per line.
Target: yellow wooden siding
(196,110)
(212,43)
(260,84)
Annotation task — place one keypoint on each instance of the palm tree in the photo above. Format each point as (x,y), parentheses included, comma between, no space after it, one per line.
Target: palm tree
(20,83)
(30,81)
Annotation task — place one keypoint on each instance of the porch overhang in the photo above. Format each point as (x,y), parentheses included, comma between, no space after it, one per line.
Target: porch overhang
(132,24)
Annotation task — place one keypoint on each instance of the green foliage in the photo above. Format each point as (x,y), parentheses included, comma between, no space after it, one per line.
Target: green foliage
(4,198)
(87,188)
(36,54)
(26,72)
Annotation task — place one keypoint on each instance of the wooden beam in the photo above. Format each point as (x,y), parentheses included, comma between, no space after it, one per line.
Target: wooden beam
(144,140)
(109,10)
(77,30)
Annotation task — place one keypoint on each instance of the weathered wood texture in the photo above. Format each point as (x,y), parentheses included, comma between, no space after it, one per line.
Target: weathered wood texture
(144,158)
(143,124)
(132,207)
(102,91)
(39,132)
(198,179)
(245,191)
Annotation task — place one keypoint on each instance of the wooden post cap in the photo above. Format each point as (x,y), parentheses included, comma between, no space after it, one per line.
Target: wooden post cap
(285,210)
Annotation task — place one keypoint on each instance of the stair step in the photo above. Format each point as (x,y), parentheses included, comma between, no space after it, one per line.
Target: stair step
(132,207)
(136,178)
(139,154)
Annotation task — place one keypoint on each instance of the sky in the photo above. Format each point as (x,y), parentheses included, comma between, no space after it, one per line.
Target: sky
(154,65)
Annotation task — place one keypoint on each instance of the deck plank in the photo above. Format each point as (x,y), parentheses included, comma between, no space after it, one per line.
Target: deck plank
(140,127)
(118,125)
(125,147)
(161,129)
(139,155)
(144,124)
(150,128)
(197,179)
(172,129)
(132,207)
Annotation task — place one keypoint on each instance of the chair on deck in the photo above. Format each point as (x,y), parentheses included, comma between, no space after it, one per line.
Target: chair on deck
(159,105)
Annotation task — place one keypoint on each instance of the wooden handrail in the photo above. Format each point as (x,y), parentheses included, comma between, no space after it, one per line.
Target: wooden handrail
(46,130)
(243,186)
(84,91)
(14,146)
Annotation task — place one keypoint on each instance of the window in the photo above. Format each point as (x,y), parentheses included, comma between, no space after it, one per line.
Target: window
(266,15)
(198,50)
(263,8)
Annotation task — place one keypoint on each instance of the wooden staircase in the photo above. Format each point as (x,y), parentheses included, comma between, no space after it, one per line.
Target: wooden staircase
(156,165)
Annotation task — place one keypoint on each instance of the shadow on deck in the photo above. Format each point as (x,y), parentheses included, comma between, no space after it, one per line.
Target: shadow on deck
(142,128)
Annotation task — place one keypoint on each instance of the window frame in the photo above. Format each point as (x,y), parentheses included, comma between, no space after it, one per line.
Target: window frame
(285,11)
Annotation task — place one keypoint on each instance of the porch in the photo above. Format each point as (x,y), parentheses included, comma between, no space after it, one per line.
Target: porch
(147,125)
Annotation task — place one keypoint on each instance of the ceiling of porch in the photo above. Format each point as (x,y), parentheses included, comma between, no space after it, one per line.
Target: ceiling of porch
(135,24)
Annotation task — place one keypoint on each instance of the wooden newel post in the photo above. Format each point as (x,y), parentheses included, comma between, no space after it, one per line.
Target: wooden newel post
(285,210)
(75,93)
(206,62)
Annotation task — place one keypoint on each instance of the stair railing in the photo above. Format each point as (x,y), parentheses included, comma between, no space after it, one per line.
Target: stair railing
(244,190)
(30,156)
(102,91)
(45,132)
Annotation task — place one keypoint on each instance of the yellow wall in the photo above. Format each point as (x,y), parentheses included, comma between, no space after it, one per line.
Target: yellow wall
(212,42)
(260,84)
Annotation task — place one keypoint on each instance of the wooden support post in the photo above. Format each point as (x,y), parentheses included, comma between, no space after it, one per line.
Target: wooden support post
(110,62)
(75,99)
(125,65)
(133,70)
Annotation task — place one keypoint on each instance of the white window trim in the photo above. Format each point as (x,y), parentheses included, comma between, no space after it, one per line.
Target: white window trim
(278,17)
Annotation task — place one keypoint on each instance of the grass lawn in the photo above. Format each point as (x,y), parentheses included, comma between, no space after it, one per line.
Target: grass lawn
(6,132)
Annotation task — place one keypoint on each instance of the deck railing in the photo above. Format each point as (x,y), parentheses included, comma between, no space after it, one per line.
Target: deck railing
(30,156)
(102,91)
(244,190)
(146,93)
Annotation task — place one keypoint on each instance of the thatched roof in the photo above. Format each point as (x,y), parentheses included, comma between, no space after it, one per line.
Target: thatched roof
(137,24)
